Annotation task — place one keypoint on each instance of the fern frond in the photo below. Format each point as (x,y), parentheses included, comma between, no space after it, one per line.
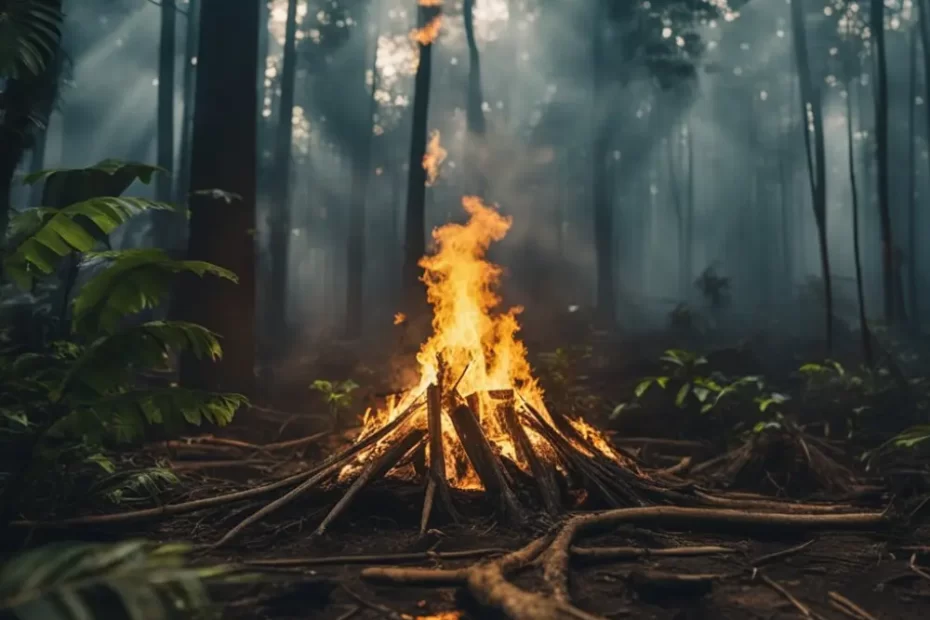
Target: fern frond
(75,228)
(135,280)
(144,484)
(128,170)
(124,416)
(108,363)
(30,34)
(63,582)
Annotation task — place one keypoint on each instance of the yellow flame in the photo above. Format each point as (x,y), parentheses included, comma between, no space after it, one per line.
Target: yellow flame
(428,34)
(475,345)
(400,318)
(432,161)
(430,2)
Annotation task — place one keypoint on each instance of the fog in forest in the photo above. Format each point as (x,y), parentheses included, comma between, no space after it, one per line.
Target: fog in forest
(700,121)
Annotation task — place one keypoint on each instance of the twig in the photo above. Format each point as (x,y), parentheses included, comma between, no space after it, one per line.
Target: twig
(350,613)
(841,602)
(653,441)
(635,553)
(773,505)
(295,443)
(389,558)
(195,465)
(771,557)
(801,607)
(681,466)
(918,570)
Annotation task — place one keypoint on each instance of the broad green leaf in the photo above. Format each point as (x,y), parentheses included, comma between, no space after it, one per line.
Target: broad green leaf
(30,35)
(682,395)
(701,393)
(322,385)
(663,382)
(642,386)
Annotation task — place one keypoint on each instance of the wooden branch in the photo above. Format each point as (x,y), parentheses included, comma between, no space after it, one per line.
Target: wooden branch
(437,482)
(329,467)
(486,464)
(387,558)
(376,468)
(543,472)
(773,505)
(295,443)
(847,606)
(771,557)
(601,554)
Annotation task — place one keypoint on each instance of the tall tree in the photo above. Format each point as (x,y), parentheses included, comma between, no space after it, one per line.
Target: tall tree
(476,182)
(361,178)
(280,182)
(166,66)
(889,270)
(225,113)
(606,300)
(182,187)
(415,226)
(816,156)
(912,185)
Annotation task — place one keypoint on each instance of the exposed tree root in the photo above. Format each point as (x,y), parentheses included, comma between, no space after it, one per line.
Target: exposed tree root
(487,581)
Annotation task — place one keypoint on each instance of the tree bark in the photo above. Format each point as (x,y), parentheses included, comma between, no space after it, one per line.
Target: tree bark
(816,161)
(280,184)
(224,233)
(415,225)
(912,188)
(889,276)
(857,254)
(166,61)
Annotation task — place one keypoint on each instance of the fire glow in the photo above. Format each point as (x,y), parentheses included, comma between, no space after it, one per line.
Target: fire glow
(474,356)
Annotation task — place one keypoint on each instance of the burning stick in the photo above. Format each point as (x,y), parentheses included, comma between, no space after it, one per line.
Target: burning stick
(484,460)
(437,461)
(543,473)
(375,469)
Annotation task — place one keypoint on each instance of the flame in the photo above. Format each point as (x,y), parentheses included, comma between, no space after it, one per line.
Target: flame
(474,345)
(428,34)
(430,3)
(432,161)
(400,318)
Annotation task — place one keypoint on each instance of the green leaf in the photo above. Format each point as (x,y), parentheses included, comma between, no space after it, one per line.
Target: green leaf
(62,582)
(811,369)
(707,407)
(642,386)
(348,386)
(701,393)
(134,281)
(103,461)
(322,385)
(663,382)
(75,228)
(217,194)
(682,395)
(30,35)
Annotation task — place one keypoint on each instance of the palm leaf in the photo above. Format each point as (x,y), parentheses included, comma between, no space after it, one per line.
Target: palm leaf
(131,580)
(75,228)
(30,34)
(110,177)
(108,364)
(135,280)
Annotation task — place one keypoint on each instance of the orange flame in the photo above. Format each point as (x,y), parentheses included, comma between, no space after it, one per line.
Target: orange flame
(400,318)
(428,34)
(477,345)
(432,161)
(430,3)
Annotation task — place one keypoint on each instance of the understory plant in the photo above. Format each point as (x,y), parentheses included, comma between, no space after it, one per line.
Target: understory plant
(71,389)
(338,397)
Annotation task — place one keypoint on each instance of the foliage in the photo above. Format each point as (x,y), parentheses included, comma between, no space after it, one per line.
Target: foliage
(79,581)
(560,373)
(132,486)
(30,32)
(337,395)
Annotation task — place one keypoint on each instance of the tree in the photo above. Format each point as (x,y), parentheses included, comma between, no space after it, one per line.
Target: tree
(182,187)
(889,271)
(221,232)
(606,305)
(816,161)
(280,182)
(415,230)
(476,125)
(166,62)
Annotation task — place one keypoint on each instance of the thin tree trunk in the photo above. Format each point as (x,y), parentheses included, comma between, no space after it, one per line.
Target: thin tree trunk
(224,233)
(280,185)
(912,187)
(857,253)
(361,179)
(415,225)
(889,276)
(166,62)
(476,181)
(675,192)
(603,212)
(816,161)
(689,220)
(182,187)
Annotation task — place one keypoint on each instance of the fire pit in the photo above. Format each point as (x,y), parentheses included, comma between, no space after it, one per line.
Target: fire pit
(477,416)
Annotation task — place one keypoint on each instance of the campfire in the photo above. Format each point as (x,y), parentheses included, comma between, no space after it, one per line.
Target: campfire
(476,420)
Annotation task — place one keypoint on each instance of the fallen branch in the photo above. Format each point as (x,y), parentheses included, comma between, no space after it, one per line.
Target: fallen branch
(295,443)
(602,554)
(388,558)
(771,557)
(801,607)
(773,505)
(843,604)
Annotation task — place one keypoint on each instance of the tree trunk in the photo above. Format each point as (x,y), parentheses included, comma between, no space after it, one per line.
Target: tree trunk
(606,305)
(279,186)
(475,180)
(225,113)
(889,276)
(361,163)
(166,61)
(415,225)
(816,162)
(857,253)
(912,188)
(182,188)
(689,219)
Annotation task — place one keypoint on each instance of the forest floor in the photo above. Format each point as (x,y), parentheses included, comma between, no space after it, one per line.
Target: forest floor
(761,572)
